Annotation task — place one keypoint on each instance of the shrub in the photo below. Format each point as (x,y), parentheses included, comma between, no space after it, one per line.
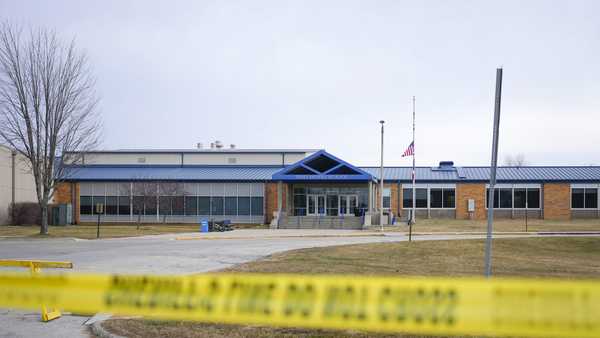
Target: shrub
(25,213)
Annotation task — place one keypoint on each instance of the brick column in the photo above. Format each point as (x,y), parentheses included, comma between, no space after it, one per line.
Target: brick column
(557,197)
(466,191)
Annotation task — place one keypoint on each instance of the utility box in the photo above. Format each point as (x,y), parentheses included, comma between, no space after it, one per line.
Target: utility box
(59,214)
(471,205)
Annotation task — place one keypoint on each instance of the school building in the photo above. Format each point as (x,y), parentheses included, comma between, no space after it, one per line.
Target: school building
(307,188)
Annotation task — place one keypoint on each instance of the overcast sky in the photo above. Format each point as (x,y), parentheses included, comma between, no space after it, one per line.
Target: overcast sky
(321,74)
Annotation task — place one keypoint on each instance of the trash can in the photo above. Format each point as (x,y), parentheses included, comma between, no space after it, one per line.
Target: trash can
(203,225)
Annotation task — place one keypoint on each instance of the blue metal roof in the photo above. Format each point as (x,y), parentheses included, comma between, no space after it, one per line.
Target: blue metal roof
(169,173)
(504,174)
(266,173)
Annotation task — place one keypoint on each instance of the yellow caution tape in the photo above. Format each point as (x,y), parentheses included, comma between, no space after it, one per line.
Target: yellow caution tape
(447,306)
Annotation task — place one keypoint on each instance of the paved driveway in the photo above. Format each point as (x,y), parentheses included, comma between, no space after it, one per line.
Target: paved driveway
(165,254)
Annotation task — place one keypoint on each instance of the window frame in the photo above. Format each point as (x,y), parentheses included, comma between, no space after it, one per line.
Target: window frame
(585,188)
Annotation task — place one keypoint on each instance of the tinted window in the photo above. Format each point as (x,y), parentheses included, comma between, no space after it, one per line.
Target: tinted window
(496,198)
(591,198)
(138,205)
(533,198)
(111,205)
(407,198)
(435,196)
(150,205)
(164,203)
(203,205)
(231,206)
(577,198)
(85,205)
(505,198)
(216,205)
(257,205)
(124,207)
(243,206)
(191,205)
(520,197)
(177,205)
(449,198)
(421,198)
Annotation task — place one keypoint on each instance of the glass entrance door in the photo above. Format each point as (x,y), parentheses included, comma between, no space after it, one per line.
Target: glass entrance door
(316,205)
(348,204)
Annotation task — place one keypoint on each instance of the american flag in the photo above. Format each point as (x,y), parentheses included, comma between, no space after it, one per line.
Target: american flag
(410,151)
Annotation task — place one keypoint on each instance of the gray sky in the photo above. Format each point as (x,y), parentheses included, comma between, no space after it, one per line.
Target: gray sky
(321,74)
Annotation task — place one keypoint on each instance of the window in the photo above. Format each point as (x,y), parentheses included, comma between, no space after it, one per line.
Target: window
(164,203)
(578,198)
(505,198)
(435,198)
(150,205)
(231,206)
(332,205)
(191,205)
(591,198)
(442,198)
(257,206)
(243,206)
(216,204)
(449,198)
(124,206)
(177,204)
(203,205)
(520,198)
(138,205)
(387,195)
(584,198)
(421,198)
(533,198)
(496,198)
(111,205)
(85,205)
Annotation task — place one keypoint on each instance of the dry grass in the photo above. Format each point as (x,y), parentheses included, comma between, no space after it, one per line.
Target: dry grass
(89,231)
(500,225)
(567,257)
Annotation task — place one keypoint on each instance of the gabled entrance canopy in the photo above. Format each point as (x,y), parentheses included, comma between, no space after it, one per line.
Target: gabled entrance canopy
(322,166)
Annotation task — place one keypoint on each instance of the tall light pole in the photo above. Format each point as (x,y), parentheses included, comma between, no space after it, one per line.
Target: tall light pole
(490,217)
(381,180)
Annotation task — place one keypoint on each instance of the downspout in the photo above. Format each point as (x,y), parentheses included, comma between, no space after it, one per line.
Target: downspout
(13,180)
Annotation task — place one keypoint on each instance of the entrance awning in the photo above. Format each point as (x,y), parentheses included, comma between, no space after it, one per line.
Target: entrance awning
(322,166)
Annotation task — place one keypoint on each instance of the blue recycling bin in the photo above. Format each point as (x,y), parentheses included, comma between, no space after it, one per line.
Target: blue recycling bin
(203,225)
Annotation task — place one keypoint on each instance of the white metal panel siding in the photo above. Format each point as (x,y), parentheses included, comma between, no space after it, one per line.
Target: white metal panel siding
(133,159)
(293,158)
(24,182)
(239,159)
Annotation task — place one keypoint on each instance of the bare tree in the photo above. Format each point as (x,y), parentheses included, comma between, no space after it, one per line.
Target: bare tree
(517,160)
(47,105)
(171,198)
(143,194)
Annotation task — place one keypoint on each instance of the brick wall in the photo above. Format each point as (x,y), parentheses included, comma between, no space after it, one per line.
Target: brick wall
(68,193)
(62,193)
(466,191)
(557,197)
(271,199)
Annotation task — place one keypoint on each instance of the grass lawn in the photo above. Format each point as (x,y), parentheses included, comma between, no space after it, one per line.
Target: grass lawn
(106,230)
(568,257)
(500,225)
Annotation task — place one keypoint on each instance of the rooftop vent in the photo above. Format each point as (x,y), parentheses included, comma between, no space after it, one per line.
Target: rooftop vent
(445,166)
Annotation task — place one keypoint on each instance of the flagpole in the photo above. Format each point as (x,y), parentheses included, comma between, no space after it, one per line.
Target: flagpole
(414,174)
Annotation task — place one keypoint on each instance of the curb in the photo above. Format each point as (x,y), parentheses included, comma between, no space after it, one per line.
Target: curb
(283,236)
